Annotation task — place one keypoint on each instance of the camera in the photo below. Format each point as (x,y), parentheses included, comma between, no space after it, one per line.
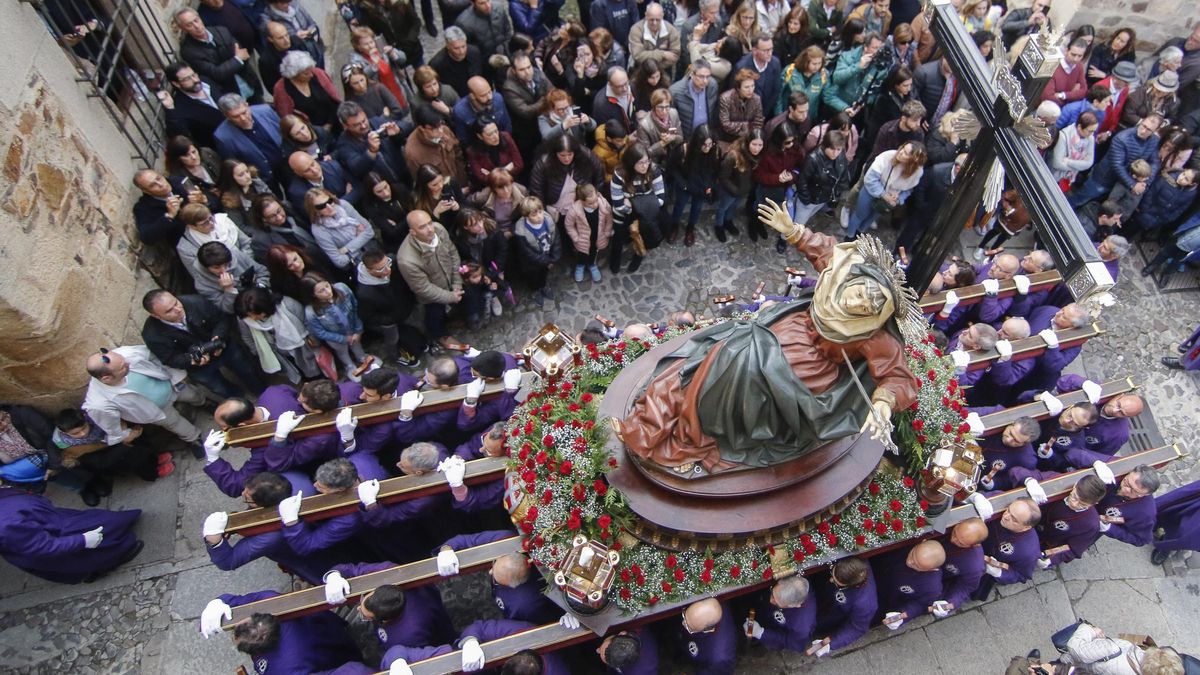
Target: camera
(198,352)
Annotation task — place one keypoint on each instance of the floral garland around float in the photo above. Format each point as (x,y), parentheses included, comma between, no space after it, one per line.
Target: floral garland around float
(558,458)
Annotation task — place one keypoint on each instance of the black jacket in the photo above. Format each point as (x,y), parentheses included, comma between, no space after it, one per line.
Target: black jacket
(171,345)
(822,180)
(153,225)
(385,304)
(215,62)
(194,119)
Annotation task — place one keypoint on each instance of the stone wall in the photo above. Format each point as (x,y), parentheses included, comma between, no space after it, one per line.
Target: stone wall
(1155,21)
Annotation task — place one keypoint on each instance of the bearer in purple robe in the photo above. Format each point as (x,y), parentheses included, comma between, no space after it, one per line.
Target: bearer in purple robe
(1048,366)
(1127,511)
(417,525)
(1010,448)
(1011,550)
(1034,262)
(1108,434)
(306,644)
(64,545)
(1072,525)
(1179,518)
(993,308)
(239,412)
(488,496)
(306,538)
(408,427)
(784,618)
(494,629)
(307,452)
(908,581)
(1066,435)
(400,616)
(519,591)
(475,415)
(630,652)
(963,568)
(708,637)
(999,380)
(846,604)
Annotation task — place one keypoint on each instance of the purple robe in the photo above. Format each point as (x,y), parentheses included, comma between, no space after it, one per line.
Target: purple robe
(309,538)
(992,308)
(526,602)
(352,668)
(398,433)
(494,629)
(486,413)
(1109,434)
(306,644)
(994,450)
(1139,514)
(712,653)
(1179,516)
(460,541)
(961,572)
(998,384)
(229,555)
(464,366)
(47,541)
(902,589)
(1019,551)
(1063,526)
(304,453)
(790,628)
(472,448)
(412,655)
(278,399)
(1023,305)
(482,497)
(647,660)
(845,613)
(424,621)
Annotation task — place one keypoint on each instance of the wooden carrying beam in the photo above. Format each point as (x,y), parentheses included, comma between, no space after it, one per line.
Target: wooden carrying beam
(392,490)
(300,603)
(553,636)
(995,422)
(1034,345)
(973,294)
(257,435)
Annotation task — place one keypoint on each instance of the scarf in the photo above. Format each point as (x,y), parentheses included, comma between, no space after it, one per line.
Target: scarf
(427,248)
(223,231)
(13,445)
(365,278)
(831,320)
(949,93)
(287,338)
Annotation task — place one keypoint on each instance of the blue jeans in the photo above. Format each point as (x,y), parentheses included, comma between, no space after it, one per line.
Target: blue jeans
(862,215)
(682,197)
(725,202)
(1088,192)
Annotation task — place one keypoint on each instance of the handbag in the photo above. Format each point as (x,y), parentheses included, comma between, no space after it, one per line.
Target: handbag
(324,359)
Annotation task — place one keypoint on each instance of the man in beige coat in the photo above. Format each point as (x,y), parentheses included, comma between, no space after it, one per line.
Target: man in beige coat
(429,263)
(653,38)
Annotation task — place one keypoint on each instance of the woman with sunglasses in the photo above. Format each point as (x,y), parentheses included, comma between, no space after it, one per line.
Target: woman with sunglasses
(338,228)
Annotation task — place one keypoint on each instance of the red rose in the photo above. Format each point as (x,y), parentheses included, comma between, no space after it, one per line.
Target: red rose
(880,528)
(636,569)
(612,461)
(577,512)
(964,427)
(618,357)
(528,476)
(559,424)
(565,467)
(924,505)
(832,539)
(626,576)
(541,457)
(531,514)
(908,482)
(604,521)
(897,525)
(963,413)
(586,398)
(810,547)
(921,438)
(805,538)
(573,523)
(862,508)
(836,520)
(573,407)
(679,574)
(767,573)
(868,524)
(953,385)
(666,586)
(670,561)
(625,594)
(860,541)
(600,487)
(527,528)
(578,492)
(548,441)
(709,563)
(823,528)
(945,400)
(616,546)
(873,488)
(705,576)
(920,521)
(538,541)
(653,600)
(589,425)
(932,375)
(735,571)
(798,555)
(523,454)
(918,425)
(640,580)
(896,505)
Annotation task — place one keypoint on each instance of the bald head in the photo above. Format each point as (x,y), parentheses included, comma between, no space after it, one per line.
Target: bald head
(1125,405)
(638,331)
(110,368)
(703,614)
(302,164)
(968,533)
(1073,315)
(1036,261)
(1005,266)
(926,556)
(511,570)
(1014,328)
(235,412)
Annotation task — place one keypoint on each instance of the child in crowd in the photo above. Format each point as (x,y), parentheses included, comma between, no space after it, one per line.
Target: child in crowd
(82,446)
(478,291)
(589,224)
(1126,197)
(332,316)
(539,246)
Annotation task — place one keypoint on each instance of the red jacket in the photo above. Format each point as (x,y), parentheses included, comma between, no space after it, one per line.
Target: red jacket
(1112,114)
(771,164)
(284,105)
(1073,84)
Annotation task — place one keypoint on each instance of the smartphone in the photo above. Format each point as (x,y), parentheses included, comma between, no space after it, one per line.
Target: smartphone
(1038,670)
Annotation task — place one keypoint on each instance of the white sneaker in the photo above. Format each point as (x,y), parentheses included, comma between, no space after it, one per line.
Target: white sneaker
(978,255)
(495,306)
(844,217)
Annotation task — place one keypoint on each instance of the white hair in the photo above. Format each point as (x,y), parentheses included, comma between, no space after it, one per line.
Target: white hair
(454,34)
(1048,109)
(1170,55)
(296,62)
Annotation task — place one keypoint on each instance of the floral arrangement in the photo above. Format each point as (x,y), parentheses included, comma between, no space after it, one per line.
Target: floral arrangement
(940,411)
(558,454)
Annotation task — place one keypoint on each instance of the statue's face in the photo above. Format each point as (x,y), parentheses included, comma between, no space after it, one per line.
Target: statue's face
(856,300)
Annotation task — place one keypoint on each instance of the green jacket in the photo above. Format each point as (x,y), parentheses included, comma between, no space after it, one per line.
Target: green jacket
(794,80)
(849,81)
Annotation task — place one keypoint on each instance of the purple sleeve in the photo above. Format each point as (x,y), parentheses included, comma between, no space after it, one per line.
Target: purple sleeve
(482,497)
(1138,528)
(1078,543)
(858,622)
(412,655)
(423,427)
(229,480)
(801,623)
(1009,373)
(951,323)
(993,308)
(1018,474)
(1069,383)
(1081,457)
(228,556)
(961,586)
(35,541)
(385,515)
(1055,360)
(986,409)
(470,449)
(1018,573)
(308,538)
(297,452)
(348,570)
(487,413)
(461,541)
(234,600)
(374,437)
(486,630)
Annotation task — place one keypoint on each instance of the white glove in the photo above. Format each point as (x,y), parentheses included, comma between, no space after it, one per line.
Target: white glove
(285,424)
(1054,405)
(472,352)
(1022,283)
(400,667)
(409,400)
(210,618)
(92,538)
(1050,338)
(992,570)
(950,303)
(1104,526)
(976,424)
(611,333)
(215,523)
(1093,391)
(368,491)
(472,655)
(336,588)
(512,379)
(961,359)
(346,423)
(289,509)
(823,650)
(1035,491)
(1104,473)
(214,443)
(939,609)
(454,468)
(991,286)
(568,621)
(987,483)
(983,506)
(1045,450)
(475,389)
(795,280)
(447,563)
(752,628)
(1004,349)
(893,620)
(1043,563)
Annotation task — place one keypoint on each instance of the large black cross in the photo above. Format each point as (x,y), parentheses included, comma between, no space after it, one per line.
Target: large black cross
(1074,254)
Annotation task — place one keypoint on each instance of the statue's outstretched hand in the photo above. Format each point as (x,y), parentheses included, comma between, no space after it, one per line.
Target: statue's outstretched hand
(879,422)
(777,218)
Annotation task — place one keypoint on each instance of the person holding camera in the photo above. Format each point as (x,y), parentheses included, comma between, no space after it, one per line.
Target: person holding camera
(858,77)
(191,334)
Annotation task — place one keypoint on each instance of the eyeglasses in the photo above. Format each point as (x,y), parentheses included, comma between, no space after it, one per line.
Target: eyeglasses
(663,106)
(104,356)
(320,206)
